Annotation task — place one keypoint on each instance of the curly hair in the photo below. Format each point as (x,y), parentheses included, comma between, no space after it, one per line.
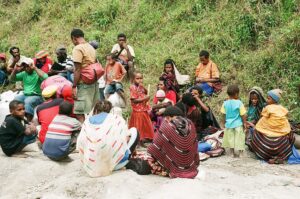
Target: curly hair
(102,106)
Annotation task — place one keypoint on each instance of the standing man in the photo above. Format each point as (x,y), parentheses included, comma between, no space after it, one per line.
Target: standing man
(207,73)
(124,52)
(85,95)
(32,78)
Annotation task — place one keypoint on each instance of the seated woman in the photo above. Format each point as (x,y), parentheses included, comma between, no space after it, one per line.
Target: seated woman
(208,118)
(272,140)
(170,94)
(256,105)
(105,143)
(169,76)
(188,106)
(175,145)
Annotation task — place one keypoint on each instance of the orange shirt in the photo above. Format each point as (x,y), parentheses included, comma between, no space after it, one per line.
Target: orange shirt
(207,71)
(115,72)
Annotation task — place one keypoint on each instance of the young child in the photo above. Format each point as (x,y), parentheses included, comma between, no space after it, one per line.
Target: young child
(235,120)
(159,108)
(15,131)
(62,134)
(169,76)
(140,106)
(114,74)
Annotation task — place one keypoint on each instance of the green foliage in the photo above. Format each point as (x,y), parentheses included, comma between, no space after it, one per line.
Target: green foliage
(254,42)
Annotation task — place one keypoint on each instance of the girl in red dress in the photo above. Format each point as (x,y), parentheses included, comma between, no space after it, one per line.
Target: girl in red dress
(140,118)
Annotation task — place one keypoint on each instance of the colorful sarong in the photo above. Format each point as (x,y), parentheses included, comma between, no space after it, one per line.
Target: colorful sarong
(175,148)
(267,148)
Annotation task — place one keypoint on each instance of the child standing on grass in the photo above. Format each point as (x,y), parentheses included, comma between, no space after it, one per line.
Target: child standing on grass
(140,118)
(235,120)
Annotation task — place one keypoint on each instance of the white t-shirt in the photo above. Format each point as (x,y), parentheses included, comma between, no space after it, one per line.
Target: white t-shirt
(10,61)
(117,47)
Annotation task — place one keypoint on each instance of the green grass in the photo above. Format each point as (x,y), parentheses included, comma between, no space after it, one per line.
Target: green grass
(254,42)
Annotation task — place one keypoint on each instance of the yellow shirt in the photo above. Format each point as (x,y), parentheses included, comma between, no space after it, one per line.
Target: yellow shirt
(274,122)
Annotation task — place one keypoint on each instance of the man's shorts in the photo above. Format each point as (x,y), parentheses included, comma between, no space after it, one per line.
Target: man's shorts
(87,96)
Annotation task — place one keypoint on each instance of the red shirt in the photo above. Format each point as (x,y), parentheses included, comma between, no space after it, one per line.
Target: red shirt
(139,92)
(46,67)
(45,114)
(171,95)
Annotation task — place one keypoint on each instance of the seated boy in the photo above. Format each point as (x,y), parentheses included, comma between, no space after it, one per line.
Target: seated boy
(15,131)
(62,134)
(114,74)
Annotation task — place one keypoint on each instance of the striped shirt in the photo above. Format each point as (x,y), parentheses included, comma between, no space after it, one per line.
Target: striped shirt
(59,135)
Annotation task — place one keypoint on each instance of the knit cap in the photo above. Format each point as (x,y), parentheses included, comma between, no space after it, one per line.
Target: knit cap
(275,94)
(160,93)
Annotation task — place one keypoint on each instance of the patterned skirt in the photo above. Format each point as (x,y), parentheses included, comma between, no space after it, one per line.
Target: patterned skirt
(268,148)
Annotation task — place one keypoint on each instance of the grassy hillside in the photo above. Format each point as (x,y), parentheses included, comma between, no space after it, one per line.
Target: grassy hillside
(255,42)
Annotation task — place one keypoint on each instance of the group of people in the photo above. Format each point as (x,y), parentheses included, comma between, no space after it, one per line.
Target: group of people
(64,111)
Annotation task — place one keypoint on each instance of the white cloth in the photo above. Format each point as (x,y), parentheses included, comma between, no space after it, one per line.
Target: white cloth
(102,146)
(5,99)
(116,100)
(101,82)
(181,79)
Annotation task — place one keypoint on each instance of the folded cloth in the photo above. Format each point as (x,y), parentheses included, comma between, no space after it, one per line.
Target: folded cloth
(204,147)
(295,157)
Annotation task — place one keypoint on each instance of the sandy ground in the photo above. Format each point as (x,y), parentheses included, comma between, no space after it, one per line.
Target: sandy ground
(36,176)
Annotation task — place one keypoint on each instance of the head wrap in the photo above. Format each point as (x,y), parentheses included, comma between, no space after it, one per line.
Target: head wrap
(160,93)
(49,91)
(275,94)
(41,54)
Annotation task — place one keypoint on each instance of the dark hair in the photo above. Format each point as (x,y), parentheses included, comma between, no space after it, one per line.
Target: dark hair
(169,61)
(102,106)
(232,90)
(121,35)
(189,99)
(13,48)
(254,93)
(112,55)
(77,33)
(137,72)
(198,88)
(173,111)
(13,104)
(65,108)
(204,53)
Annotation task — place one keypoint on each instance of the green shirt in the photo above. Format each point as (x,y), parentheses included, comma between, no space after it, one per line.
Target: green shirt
(31,82)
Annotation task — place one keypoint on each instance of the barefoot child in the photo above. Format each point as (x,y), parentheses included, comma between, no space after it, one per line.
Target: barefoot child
(16,132)
(140,106)
(62,134)
(235,119)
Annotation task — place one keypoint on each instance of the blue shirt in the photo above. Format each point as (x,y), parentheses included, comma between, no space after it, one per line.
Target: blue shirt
(233,109)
